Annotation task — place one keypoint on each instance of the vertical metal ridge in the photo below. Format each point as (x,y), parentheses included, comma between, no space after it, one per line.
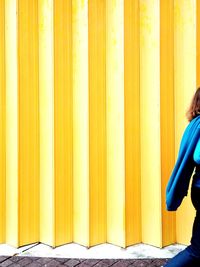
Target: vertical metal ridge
(167,112)
(184,88)
(80,122)
(46,95)
(28,160)
(132,122)
(11,63)
(2,124)
(97,123)
(115,122)
(63,121)
(150,121)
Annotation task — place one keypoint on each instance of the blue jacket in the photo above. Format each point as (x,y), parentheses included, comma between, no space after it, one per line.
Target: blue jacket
(178,183)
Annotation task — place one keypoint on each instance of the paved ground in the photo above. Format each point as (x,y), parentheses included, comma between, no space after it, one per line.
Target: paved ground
(18,261)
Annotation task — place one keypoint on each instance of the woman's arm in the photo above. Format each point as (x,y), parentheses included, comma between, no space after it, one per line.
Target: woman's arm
(196,155)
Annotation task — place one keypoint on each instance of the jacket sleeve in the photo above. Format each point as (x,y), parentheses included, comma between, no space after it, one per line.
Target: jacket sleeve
(196,155)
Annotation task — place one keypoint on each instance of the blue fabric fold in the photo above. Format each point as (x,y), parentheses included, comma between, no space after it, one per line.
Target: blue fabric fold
(178,184)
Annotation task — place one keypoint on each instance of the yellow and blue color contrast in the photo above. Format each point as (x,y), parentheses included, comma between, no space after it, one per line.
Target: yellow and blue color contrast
(93,95)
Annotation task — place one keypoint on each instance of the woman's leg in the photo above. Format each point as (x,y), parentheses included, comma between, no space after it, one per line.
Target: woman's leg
(190,257)
(183,259)
(194,247)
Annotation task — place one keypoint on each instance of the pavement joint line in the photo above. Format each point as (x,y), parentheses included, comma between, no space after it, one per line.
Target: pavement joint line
(130,263)
(97,262)
(115,262)
(112,263)
(78,262)
(6,259)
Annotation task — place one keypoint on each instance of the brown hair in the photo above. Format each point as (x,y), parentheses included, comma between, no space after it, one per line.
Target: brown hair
(194,109)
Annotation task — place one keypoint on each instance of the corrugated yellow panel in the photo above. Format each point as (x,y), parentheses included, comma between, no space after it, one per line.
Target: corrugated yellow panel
(97,120)
(46,108)
(28,122)
(81,210)
(2,120)
(150,122)
(184,85)
(197,43)
(93,95)
(132,121)
(63,121)
(115,122)
(12,197)
(167,112)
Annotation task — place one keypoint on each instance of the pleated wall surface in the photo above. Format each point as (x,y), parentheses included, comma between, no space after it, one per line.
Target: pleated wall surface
(93,95)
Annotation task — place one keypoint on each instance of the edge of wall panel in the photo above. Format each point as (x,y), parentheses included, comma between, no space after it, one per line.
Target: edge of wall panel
(81,208)
(184,88)
(167,113)
(115,122)
(97,120)
(197,43)
(46,126)
(11,59)
(2,124)
(132,121)
(28,127)
(150,122)
(63,121)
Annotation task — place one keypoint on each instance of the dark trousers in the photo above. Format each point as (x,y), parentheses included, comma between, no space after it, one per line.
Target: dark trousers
(190,256)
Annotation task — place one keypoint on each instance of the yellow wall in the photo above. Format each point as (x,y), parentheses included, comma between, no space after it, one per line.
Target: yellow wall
(93,95)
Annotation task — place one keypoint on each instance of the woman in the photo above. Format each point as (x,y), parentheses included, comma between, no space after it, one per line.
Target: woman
(188,161)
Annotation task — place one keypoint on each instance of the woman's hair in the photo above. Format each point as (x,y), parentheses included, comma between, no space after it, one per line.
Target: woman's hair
(194,109)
